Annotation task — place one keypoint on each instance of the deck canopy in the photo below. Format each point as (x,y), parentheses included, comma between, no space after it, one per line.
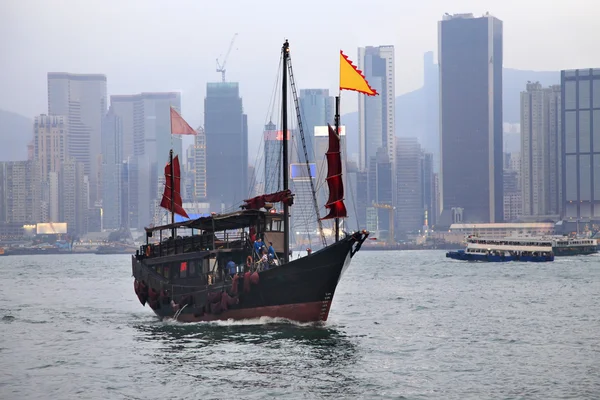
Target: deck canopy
(220,222)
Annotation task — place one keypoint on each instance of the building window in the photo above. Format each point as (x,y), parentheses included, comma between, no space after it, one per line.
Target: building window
(570,132)
(584,131)
(584,72)
(597,178)
(596,93)
(596,131)
(570,95)
(585,177)
(571,177)
(570,73)
(584,94)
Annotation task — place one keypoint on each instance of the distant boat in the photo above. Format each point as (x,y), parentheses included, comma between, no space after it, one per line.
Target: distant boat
(219,272)
(504,250)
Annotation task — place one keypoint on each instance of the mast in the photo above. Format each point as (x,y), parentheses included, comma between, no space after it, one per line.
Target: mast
(172,184)
(337,132)
(286,217)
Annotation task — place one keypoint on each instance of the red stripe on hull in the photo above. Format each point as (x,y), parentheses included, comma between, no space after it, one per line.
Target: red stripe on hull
(301,312)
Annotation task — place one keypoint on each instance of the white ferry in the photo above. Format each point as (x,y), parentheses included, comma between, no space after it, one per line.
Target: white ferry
(566,246)
(506,249)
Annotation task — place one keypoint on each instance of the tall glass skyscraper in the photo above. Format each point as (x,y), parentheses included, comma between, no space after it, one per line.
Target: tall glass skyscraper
(226,129)
(581,144)
(470,57)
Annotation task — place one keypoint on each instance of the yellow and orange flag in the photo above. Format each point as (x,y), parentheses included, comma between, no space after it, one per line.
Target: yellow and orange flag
(179,126)
(351,78)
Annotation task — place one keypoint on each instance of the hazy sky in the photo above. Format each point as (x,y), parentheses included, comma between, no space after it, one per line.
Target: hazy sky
(163,45)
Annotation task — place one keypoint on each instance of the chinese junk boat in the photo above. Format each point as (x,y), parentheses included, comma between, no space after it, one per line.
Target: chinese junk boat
(214,271)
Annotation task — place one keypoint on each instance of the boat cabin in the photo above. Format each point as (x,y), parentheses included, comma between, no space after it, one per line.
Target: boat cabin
(201,249)
(508,246)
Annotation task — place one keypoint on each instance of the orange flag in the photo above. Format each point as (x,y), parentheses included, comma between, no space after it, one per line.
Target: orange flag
(351,78)
(179,126)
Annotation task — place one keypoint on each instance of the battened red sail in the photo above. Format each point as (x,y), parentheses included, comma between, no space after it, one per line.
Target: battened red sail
(173,182)
(335,202)
(258,202)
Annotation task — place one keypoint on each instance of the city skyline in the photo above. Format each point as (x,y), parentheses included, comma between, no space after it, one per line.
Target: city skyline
(115,144)
(143,67)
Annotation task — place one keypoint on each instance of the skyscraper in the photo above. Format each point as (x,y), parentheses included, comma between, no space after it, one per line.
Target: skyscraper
(200,165)
(380,184)
(318,109)
(409,207)
(112,163)
(146,140)
(227,143)
(82,99)
(540,149)
(581,144)
(470,54)
(428,189)
(20,192)
(74,194)
(376,124)
(50,151)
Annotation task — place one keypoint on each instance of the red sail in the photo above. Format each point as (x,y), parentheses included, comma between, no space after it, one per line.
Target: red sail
(259,202)
(335,203)
(174,182)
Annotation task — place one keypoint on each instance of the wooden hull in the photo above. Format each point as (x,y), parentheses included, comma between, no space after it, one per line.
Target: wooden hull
(301,290)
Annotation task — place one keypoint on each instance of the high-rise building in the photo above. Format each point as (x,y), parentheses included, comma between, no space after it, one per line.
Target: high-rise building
(50,142)
(146,141)
(409,205)
(200,164)
(20,187)
(351,197)
(273,172)
(540,149)
(318,109)
(581,144)
(470,55)
(82,99)
(50,151)
(428,190)
(376,123)
(302,213)
(74,192)
(226,129)
(112,163)
(380,186)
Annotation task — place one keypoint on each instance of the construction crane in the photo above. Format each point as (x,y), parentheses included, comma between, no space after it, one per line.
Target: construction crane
(391,212)
(221,66)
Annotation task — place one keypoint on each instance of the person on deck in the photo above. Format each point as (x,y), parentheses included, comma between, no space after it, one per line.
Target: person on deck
(231,267)
(271,250)
(257,247)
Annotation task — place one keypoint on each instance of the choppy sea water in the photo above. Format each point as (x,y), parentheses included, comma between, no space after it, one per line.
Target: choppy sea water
(403,325)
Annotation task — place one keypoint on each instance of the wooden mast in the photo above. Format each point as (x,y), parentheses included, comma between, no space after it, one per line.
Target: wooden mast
(172,184)
(337,132)
(286,212)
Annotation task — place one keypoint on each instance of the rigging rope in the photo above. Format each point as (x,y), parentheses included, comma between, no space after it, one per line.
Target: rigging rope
(299,116)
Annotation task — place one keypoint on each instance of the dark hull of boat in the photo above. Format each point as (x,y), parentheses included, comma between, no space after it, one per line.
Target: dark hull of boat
(301,290)
(461,255)
(574,251)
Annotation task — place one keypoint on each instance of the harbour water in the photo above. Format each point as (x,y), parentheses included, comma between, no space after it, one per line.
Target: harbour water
(403,325)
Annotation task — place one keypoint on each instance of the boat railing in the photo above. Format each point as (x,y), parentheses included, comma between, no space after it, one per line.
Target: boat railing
(194,243)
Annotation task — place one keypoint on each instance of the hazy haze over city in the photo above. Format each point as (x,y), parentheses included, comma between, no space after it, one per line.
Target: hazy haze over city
(154,45)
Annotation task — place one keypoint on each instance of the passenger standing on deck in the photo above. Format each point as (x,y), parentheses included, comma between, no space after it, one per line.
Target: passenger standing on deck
(257,247)
(231,267)
(271,250)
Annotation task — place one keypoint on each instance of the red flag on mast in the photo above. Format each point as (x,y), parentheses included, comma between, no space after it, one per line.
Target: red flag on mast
(179,126)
